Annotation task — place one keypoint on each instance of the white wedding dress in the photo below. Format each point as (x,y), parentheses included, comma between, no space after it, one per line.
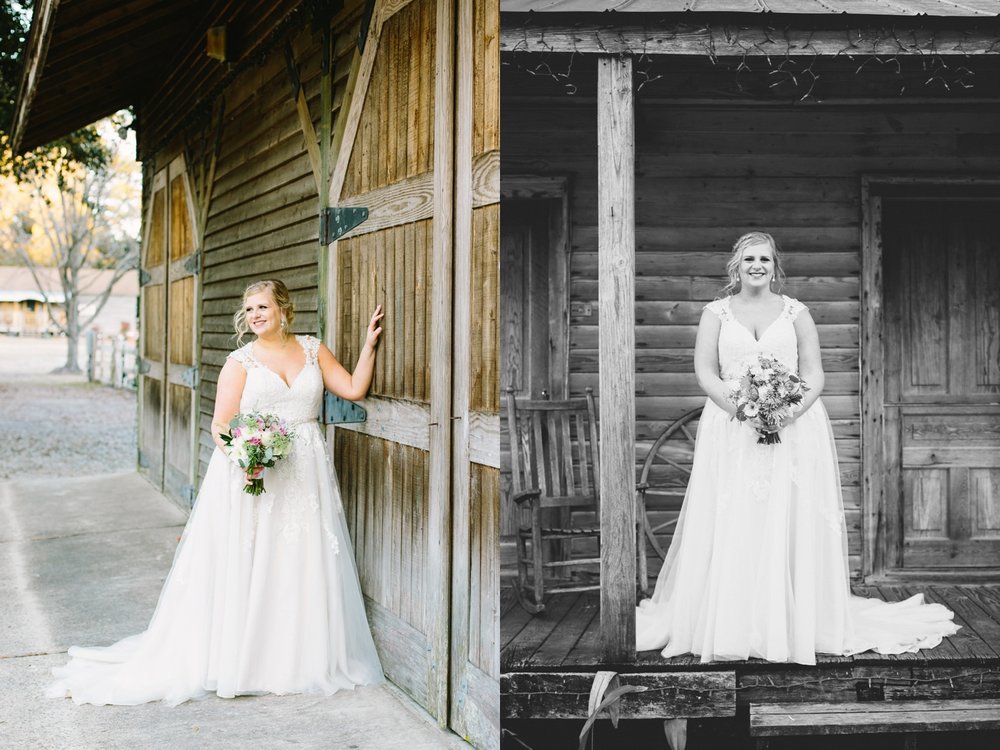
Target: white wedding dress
(263,594)
(758,562)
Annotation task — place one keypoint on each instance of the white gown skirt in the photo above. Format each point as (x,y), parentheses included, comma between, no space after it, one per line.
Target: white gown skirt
(262,597)
(758,563)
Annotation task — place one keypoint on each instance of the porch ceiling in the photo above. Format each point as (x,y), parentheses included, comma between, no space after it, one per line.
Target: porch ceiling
(87,59)
(820,7)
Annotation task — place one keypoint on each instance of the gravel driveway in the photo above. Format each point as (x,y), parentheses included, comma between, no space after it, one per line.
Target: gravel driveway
(56,426)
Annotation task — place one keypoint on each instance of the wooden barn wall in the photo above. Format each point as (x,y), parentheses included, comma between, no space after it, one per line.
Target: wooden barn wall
(707,173)
(192,76)
(264,214)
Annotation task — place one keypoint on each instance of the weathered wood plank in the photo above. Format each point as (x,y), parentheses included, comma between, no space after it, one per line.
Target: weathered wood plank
(565,695)
(616,243)
(791,719)
(738,40)
(968,641)
(806,262)
(440,320)
(708,288)
(683,337)
(682,360)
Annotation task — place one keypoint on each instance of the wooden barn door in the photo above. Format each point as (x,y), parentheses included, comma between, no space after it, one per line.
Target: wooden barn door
(168,376)
(390,465)
(182,373)
(419,475)
(942,382)
(153,346)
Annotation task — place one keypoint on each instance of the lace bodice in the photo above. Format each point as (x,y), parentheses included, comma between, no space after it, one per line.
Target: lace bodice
(265,391)
(737,346)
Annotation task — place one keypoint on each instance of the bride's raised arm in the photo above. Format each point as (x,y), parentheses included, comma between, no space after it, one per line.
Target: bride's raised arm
(706,362)
(337,379)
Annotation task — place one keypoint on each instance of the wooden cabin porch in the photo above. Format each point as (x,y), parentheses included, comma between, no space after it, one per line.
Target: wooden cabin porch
(549,662)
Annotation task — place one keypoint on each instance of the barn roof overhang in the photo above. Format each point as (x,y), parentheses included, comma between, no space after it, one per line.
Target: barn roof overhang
(86,59)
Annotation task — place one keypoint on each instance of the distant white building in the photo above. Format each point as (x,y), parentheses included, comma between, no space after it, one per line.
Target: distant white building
(23,308)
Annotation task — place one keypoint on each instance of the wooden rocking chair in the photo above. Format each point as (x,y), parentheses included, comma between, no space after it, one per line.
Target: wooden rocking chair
(555,462)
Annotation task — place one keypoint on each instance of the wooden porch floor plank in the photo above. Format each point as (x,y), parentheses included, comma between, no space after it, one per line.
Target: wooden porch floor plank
(982,596)
(563,638)
(990,595)
(534,633)
(587,649)
(513,617)
(967,641)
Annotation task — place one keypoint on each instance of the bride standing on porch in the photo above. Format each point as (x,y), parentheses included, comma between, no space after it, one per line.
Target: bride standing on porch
(263,594)
(758,562)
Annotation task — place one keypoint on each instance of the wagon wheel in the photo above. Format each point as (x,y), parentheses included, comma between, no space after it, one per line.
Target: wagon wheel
(665,473)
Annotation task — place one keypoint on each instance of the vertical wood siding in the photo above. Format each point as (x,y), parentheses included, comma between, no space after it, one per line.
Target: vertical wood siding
(484,615)
(391,267)
(385,488)
(485,77)
(485,308)
(706,174)
(395,133)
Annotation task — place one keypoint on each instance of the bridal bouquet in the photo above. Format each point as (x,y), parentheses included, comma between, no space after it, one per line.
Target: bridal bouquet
(766,394)
(257,441)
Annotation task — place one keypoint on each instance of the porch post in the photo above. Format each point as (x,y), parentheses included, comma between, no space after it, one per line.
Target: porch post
(616,301)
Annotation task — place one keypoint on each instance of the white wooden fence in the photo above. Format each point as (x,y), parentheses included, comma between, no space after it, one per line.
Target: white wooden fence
(111,360)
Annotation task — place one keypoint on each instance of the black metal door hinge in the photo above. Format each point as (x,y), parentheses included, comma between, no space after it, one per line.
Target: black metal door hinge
(337,410)
(335,222)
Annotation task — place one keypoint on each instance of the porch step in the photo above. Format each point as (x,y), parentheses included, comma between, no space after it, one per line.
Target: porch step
(791,719)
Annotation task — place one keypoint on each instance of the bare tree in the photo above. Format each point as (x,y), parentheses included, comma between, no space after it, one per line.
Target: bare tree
(76,227)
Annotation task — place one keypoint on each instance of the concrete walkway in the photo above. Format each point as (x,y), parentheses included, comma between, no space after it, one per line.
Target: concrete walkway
(82,562)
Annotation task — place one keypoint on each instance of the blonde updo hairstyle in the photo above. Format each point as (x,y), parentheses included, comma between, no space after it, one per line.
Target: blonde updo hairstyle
(733,266)
(279,293)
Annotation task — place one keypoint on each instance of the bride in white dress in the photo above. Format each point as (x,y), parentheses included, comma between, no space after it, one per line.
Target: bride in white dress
(263,594)
(758,562)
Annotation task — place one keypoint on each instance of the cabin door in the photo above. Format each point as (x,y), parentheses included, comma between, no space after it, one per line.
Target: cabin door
(534,323)
(168,379)
(942,382)
(532,301)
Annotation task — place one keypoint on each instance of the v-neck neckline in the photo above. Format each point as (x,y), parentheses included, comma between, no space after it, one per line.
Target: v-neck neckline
(253,355)
(729,304)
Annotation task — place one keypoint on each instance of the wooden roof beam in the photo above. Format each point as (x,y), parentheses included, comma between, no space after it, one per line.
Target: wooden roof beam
(34,61)
(541,33)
